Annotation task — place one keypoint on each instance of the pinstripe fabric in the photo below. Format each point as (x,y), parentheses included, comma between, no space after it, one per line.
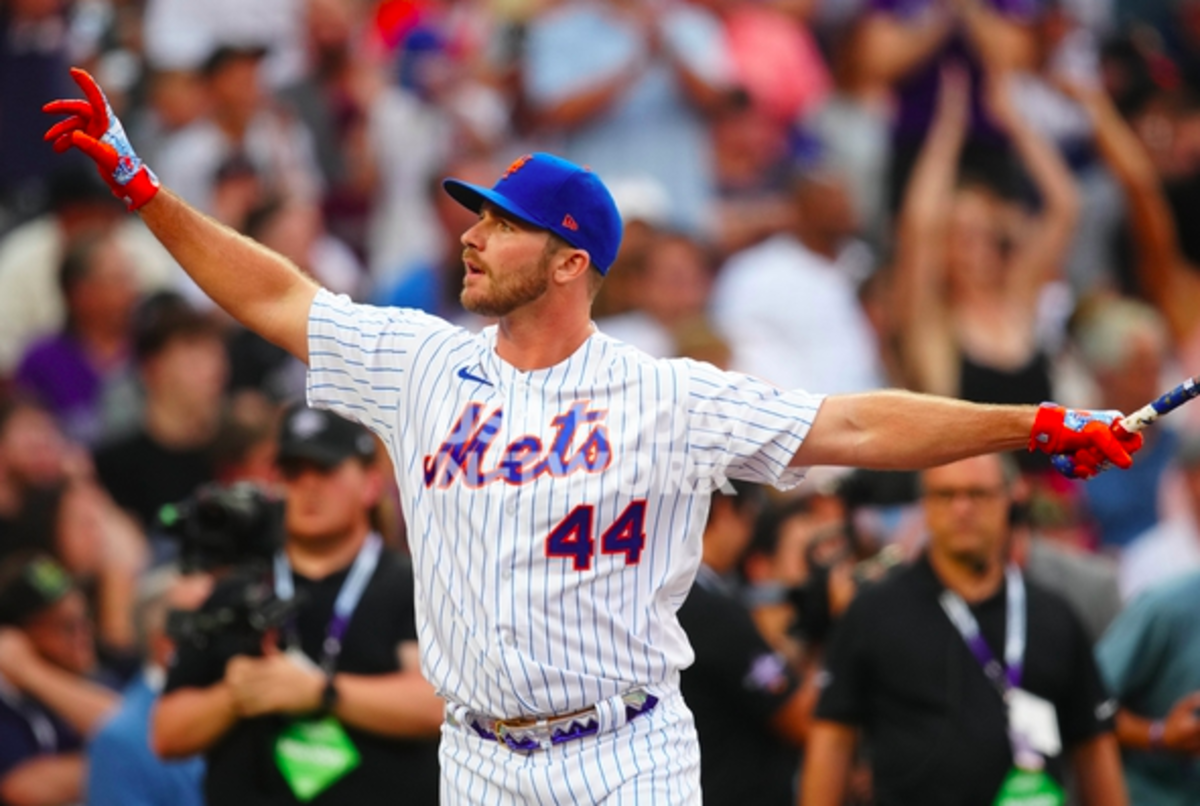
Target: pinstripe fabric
(652,761)
(491,462)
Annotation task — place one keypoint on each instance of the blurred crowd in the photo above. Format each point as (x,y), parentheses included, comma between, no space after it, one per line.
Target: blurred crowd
(987,199)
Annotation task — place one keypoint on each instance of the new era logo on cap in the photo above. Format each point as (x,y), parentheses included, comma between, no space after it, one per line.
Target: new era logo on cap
(307,423)
(540,189)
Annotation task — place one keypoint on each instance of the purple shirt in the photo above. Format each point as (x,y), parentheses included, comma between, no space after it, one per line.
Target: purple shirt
(917,92)
(60,373)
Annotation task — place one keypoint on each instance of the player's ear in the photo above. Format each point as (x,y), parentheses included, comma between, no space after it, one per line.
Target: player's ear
(571,265)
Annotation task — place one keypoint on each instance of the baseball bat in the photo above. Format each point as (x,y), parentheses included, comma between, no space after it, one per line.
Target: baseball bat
(1168,402)
(1135,421)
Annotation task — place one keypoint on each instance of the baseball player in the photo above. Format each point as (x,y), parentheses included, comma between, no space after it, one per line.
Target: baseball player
(555,481)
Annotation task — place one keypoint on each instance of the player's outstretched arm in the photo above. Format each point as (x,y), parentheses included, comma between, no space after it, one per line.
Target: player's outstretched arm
(896,430)
(259,288)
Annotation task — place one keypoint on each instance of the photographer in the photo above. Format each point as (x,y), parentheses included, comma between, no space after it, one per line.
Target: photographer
(333,710)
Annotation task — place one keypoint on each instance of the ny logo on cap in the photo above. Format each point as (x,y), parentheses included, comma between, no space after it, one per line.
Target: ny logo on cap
(517,165)
(307,423)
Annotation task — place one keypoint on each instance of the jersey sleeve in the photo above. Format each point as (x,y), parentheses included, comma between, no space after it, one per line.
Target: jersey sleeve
(361,356)
(744,428)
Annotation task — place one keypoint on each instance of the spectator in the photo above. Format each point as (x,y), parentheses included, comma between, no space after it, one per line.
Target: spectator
(34,38)
(245,446)
(122,769)
(375,142)
(175,98)
(750,160)
(297,231)
(31,305)
(50,503)
(1167,277)
(237,193)
(906,45)
(240,121)
(1125,344)
(627,84)
(33,461)
(78,372)
(788,307)
(939,715)
(672,290)
(750,710)
(775,56)
(182,364)
(47,705)
(777,563)
(180,34)
(365,689)
(1172,548)
(854,123)
(966,288)
(1150,659)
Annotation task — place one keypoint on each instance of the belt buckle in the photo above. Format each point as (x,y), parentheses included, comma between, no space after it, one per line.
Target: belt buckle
(504,728)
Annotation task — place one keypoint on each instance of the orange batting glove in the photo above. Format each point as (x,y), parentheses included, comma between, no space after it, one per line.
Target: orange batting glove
(95,130)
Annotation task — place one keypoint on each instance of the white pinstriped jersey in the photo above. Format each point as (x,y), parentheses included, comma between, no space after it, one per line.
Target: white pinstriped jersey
(555,516)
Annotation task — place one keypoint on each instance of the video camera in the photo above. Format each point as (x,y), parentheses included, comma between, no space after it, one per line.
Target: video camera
(236,531)
(222,527)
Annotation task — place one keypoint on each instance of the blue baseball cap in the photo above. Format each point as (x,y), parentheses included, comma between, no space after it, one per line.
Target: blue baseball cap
(549,192)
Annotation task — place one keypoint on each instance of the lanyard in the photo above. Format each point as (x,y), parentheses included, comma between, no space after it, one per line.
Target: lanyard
(1007,676)
(343,607)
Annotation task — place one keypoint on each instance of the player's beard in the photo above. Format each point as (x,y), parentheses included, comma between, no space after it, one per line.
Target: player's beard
(505,292)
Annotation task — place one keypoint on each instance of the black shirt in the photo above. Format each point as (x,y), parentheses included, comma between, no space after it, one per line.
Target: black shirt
(142,475)
(241,767)
(935,726)
(735,686)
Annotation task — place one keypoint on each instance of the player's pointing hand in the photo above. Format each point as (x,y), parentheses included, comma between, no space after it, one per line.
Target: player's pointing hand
(1082,443)
(92,127)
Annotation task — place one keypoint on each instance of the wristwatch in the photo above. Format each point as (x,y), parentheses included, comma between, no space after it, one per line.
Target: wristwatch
(329,697)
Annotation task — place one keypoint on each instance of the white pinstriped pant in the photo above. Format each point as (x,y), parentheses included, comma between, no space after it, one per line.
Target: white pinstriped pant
(652,761)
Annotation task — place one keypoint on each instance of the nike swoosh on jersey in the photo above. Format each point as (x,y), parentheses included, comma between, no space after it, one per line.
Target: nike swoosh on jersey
(467,376)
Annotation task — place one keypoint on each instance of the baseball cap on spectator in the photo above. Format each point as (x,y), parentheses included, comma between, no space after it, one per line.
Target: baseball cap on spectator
(227,52)
(163,317)
(29,584)
(556,195)
(322,437)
